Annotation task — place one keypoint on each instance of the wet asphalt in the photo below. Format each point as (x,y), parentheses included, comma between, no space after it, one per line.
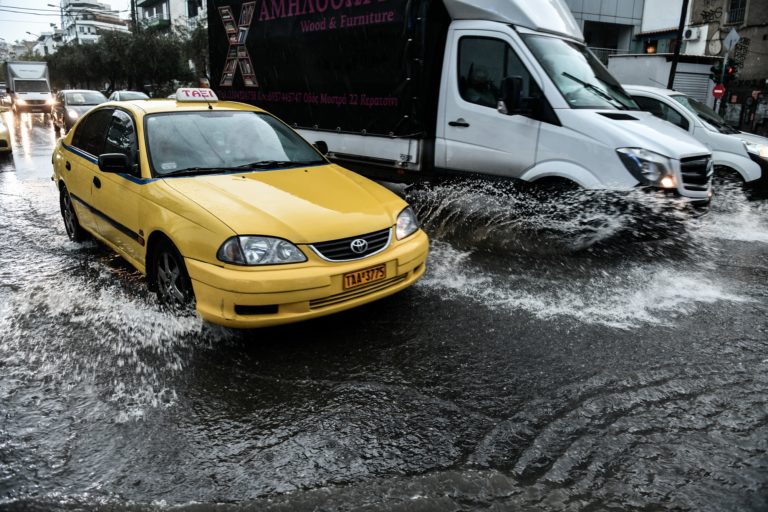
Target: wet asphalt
(569,357)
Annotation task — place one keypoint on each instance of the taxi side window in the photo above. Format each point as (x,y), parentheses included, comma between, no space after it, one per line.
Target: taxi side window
(92,131)
(121,138)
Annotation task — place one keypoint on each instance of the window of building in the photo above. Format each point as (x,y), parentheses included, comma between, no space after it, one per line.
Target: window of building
(736,11)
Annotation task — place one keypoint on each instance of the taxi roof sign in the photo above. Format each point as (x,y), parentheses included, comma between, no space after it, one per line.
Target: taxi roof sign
(192,94)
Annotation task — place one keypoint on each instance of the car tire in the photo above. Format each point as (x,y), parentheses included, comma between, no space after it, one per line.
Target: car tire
(74,231)
(170,278)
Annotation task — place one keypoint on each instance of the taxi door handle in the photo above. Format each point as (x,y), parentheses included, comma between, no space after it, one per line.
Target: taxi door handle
(97,182)
(460,122)
(68,166)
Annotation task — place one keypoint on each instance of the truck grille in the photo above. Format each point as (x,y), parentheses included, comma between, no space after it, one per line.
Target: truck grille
(35,102)
(3,144)
(341,250)
(696,173)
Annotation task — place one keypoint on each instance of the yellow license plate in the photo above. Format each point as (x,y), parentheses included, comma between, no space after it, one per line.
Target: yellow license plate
(365,276)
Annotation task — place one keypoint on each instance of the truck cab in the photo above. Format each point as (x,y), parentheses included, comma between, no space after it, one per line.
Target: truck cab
(522,96)
(28,87)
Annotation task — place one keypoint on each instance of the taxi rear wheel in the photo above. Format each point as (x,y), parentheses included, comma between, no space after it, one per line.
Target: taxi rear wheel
(171,281)
(71,224)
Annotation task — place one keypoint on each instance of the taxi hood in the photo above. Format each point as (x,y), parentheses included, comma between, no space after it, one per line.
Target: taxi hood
(633,129)
(303,205)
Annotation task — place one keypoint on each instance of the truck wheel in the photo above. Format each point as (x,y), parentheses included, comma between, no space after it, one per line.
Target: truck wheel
(170,278)
(71,224)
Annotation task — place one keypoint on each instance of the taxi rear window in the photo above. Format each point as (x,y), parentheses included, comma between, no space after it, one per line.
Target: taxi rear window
(220,139)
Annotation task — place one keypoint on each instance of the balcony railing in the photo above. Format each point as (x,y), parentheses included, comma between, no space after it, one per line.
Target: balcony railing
(156,21)
(603,53)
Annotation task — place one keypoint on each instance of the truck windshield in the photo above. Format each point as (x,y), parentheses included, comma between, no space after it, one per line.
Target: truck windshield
(85,98)
(581,78)
(185,143)
(31,86)
(705,113)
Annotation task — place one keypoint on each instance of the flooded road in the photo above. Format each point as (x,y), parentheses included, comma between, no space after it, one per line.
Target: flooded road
(549,360)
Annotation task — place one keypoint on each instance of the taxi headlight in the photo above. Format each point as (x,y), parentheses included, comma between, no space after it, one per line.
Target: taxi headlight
(758,149)
(259,250)
(407,224)
(72,114)
(646,166)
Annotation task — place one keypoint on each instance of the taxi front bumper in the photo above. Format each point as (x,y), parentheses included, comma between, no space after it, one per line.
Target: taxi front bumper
(264,297)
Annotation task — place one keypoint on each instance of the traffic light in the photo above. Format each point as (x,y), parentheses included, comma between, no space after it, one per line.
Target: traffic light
(716,72)
(731,72)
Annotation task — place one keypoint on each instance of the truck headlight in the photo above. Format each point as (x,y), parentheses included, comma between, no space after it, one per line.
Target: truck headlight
(647,167)
(756,148)
(49,101)
(259,250)
(407,224)
(21,101)
(72,114)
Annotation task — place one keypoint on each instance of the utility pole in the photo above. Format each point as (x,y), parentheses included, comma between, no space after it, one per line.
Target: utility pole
(676,58)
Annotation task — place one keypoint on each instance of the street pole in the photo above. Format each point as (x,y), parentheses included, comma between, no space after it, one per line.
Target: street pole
(680,28)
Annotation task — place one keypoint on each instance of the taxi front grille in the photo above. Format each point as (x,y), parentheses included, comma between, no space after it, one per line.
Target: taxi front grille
(696,173)
(356,293)
(342,249)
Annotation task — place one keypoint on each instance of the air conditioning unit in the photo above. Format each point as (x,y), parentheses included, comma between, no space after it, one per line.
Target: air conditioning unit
(692,34)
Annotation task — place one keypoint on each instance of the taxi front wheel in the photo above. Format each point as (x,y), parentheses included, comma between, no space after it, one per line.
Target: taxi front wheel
(171,280)
(71,224)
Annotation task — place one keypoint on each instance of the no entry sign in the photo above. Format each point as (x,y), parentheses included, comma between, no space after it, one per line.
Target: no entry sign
(718,91)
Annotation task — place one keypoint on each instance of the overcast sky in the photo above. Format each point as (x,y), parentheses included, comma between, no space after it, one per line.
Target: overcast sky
(17,17)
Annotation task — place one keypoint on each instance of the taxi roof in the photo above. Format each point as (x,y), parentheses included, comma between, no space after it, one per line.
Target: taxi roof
(161,105)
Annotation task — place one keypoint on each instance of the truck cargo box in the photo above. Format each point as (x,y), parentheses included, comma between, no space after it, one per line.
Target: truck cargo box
(350,66)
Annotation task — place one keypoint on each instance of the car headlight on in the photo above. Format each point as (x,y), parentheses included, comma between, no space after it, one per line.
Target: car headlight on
(21,101)
(72,114)
(259,250)
(756,148)
(647,167)
(407,224)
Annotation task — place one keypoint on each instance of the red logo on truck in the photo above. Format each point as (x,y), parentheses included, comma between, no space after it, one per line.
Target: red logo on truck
(237,54)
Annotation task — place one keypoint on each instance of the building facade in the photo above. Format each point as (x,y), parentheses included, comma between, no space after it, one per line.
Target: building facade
(171,14)
(84,21)
(609,26)
(746,100)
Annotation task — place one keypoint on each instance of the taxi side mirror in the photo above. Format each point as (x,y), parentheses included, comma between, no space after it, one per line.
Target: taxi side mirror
(113,162)
(321,146)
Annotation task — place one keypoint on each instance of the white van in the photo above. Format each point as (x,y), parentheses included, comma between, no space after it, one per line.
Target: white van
(452,87)
(732,151)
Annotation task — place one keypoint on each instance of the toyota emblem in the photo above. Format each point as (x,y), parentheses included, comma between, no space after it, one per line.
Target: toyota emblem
(359,246)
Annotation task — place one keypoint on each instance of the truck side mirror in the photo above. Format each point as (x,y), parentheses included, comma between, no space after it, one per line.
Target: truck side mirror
(511,92)
(113,162)
(321,146)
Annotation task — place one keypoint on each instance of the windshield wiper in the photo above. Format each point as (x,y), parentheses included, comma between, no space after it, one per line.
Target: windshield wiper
(194,171)
(275,164)
(596,90)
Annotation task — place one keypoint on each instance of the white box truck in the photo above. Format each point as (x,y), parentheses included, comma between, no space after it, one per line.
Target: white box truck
(449,87)
(28,87)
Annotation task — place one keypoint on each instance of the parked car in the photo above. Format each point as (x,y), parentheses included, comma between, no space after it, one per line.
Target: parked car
(224,206)
(5,139)
(70,104)
(127,95)
(734,152)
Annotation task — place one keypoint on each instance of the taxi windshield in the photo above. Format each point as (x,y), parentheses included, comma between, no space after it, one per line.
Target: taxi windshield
(581,78)
(223,140)
(133,95)
(85,98)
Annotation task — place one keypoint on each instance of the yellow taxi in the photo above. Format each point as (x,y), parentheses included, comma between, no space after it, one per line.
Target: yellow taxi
(223,206)
(5,139)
